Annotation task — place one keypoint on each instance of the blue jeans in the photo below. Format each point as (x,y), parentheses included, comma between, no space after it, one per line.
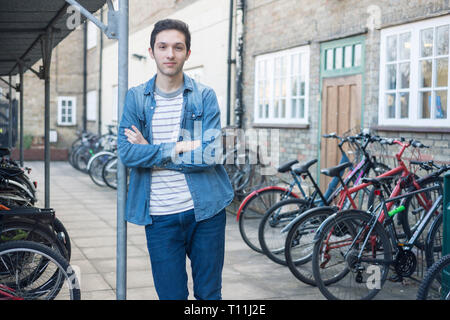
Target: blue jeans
(170,238)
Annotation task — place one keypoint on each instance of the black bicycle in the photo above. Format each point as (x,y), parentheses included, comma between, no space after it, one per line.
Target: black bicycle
(354,249)
(279,220)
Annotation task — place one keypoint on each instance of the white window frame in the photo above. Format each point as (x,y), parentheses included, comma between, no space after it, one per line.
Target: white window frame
(270,58)
(413,119)
(61,108)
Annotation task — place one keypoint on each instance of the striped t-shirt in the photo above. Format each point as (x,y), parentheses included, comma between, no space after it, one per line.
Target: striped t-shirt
(169,192)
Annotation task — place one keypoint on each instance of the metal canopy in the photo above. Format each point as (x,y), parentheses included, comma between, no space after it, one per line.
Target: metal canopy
(24,22)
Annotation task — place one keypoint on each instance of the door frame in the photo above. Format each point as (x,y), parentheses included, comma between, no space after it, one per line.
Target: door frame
(324,73)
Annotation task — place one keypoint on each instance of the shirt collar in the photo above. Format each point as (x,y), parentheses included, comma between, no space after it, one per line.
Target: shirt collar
(150,87)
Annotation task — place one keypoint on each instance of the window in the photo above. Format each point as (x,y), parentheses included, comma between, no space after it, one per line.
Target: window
(343,57)
(91,105)
(414,74)
(282,86)
(67,107)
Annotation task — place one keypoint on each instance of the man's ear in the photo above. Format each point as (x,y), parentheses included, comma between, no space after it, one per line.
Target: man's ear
(188,55)
(150,51)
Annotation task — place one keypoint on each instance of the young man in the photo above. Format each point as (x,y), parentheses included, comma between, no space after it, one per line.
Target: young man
(169,136)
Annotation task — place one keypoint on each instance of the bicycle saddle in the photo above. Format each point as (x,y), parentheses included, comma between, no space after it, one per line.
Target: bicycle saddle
(304,168)
(287,166)
(378,181)
(336,171)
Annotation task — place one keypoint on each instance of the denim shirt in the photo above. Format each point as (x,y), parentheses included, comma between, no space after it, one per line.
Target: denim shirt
(206,177)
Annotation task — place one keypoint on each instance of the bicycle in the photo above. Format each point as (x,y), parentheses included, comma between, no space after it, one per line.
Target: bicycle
(279,219)
(32,271)
(434,285)
(299,241)
(256,204)
(352,244)
(34,224)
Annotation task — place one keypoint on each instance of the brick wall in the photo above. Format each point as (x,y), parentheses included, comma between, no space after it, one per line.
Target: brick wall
(280,24)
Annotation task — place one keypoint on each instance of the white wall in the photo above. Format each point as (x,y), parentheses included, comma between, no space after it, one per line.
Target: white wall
(208,23)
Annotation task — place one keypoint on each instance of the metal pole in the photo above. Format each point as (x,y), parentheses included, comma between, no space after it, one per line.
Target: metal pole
(85,76)
(446,234)
(10,114)
(46,44)
(21,115)
(121,172)
(229,62)
(100,79)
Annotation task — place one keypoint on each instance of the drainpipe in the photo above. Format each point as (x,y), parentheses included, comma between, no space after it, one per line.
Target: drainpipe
(229,62)
(85,76)
(21,115)
(240,18)
(10,116)
(100,79)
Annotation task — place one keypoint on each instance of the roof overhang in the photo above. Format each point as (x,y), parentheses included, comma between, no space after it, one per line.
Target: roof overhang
(23,23)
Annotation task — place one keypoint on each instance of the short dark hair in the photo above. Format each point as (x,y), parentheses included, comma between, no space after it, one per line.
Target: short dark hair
(171,24)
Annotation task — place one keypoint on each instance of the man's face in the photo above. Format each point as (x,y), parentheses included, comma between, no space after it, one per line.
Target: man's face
(170,52)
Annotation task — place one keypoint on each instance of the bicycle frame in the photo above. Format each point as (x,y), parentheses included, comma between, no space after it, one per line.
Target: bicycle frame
(405,173)
(423,222)
(392,233)
(6,293)
(360,169)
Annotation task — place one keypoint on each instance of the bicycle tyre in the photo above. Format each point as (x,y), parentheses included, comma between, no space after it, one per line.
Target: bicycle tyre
(428,288)
(109,172)
(63,236)
(95,167)
(299,266)
(408,219)
(340,225)
(81,158)
(274,248)
(255,205)
(21,229)
(27,252)
(433,245)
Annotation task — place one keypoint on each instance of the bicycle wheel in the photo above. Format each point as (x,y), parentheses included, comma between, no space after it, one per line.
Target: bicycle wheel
(32,271)
(434,285)
(109,172)
(95,167)
(63,236)
(81,158)
(350,258)
(240,170)
(435,239)
(253,209)
(12,230)
(412,216)
(299,243)
(271,239)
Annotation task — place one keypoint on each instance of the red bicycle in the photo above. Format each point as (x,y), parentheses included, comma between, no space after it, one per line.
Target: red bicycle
(300,240)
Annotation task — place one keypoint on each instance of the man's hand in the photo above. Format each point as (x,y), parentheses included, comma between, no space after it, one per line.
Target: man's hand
(135,136)
(185,146)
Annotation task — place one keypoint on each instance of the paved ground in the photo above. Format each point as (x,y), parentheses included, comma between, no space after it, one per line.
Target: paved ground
(89,213)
